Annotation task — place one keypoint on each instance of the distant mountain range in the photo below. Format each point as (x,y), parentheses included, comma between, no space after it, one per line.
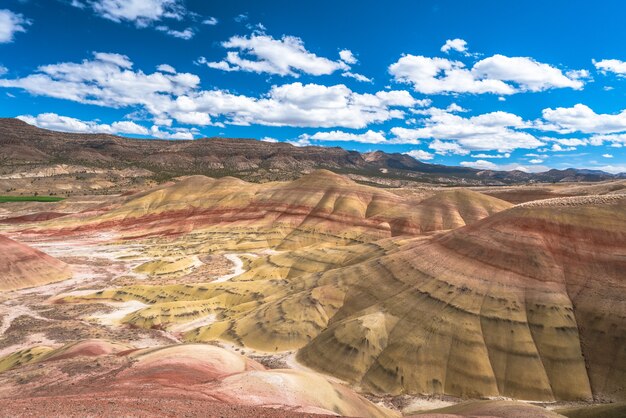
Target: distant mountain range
(22,145)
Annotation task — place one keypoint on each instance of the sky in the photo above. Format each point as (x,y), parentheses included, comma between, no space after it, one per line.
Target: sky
(528,85)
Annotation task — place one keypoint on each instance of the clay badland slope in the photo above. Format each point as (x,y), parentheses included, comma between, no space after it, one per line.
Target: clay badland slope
(22,266)
(318,207)
(528,303)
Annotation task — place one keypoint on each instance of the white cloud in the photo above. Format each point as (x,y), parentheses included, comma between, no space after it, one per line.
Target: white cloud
(527,73)
(581,118)
(302,105)
(557,147)
(457,44)
(56,122)
(178,133)
(3,70)
(492,156)
(166,68)
(185,34)
(287,56)
(488,165)
(455,108)
(441,75)
(302,141)
(10,24)
(269,139)
(369,137)
(78,4)
(140,12)
(569,142)
(419,154)
(497,74)
(447,147)
(118,60)
(607,155)
(211,21)
(611,66)
(193,118)
(615,140)
(110,80)
(535,161)
(490,131)
(347,56)
(480,164)
(107,80)
(356,76)
(614,169)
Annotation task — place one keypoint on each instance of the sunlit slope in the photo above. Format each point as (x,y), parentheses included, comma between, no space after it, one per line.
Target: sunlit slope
(182,371)
(276,306)
(528,303)
(319,207)
(453,209)
(22,266)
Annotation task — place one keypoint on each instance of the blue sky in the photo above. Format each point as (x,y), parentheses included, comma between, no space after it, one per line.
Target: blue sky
(488,84)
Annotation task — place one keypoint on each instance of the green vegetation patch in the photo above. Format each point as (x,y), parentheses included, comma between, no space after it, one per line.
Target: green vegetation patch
(4,199)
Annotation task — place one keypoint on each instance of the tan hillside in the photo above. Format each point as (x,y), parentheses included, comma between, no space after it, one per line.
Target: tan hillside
(22,266)
(527,303)
(319,207)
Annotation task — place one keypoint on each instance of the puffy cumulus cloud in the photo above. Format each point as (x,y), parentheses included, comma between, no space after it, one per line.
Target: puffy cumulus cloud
(453,107)
(488,165)
(175,133)
(441,75)
(110,80)
(286,56)
(557,147)
(614,140)
(193,118)
(106,80)
(211,21)
(611,66)
(457,44)
(269,139)
(581,118)
(10,24)
(447,147)
(301,105)
(527,73)
(607,155)
(498,131)
(497,74)
(480,164)
(140,12)
(419,154)
(68,124)
(347,56)
(369,137)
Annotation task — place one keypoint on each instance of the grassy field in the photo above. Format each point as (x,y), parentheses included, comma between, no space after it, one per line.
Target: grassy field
(4,199)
